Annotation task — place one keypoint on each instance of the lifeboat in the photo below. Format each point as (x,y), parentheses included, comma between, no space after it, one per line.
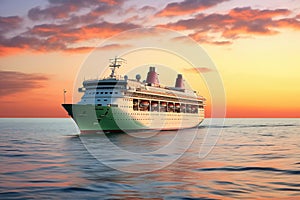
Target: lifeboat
(144,104)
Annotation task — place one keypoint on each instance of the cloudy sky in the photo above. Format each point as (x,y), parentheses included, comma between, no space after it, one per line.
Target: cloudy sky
(254,44)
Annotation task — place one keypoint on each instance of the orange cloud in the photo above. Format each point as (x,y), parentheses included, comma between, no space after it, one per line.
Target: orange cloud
(187,7)
(73,28)
(9,23)
(50,37)
(110,2)
(44,30)
(68,34)
(6,51)
(293,23)
(113,47)
(247,13)
(79,50)
(32,94)
(203,37)
(89,49)
(238,22)
(104,29)
(60,9)
(37,103)
(12,82)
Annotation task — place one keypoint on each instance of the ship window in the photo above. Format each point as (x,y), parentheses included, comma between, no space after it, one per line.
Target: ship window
(105,92)
(97,92)
(110,93)
(105,99)
(101,93)
(98,100)
(116,92)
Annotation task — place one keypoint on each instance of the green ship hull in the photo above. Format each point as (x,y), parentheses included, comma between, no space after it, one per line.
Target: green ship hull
(93,118)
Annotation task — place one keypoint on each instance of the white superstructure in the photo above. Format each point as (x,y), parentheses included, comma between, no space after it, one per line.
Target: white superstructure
(129,104)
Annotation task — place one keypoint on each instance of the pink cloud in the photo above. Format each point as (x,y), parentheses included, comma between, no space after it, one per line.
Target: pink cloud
(238,22)
(12,82)
(50,37)
(9,23)
(60,9)
(187,7)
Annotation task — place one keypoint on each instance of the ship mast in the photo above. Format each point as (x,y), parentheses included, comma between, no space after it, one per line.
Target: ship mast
(115,63)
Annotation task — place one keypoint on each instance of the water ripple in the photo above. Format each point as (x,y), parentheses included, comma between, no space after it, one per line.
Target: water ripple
(237,169)
(45,159)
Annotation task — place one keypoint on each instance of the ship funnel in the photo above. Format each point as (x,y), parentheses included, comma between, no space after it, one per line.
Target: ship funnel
(179,82)
(152,76)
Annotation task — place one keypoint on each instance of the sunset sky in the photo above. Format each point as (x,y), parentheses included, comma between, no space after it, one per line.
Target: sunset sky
(254,44)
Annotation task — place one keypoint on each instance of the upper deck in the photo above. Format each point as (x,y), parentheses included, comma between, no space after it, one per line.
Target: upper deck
(116,86)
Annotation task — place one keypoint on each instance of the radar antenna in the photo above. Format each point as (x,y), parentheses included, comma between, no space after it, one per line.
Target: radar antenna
(115,63)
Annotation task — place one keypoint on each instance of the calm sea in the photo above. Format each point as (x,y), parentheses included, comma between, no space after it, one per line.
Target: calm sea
(252,159)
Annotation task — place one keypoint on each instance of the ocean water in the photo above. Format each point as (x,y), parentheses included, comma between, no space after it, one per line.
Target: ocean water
(252,159)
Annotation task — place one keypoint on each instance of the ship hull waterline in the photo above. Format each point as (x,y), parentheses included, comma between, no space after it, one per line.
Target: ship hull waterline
(98,119)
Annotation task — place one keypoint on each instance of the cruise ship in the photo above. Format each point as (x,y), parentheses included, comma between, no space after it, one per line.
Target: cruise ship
(121,104)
